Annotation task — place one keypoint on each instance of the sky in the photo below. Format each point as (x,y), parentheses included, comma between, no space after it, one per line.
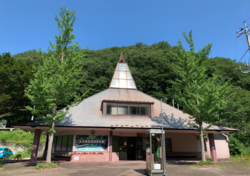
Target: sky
(29,24)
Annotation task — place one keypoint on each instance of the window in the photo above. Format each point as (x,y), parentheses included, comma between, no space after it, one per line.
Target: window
(62,143)
(128,109)
(122,109)
(219,137)
(122,77)
(168,143)
(145,110)
(115,144)
(134,110)
(112,109)
(205,145)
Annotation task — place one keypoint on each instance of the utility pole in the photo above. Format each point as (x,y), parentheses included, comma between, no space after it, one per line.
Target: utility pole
(244,32)
(163,142)
(248,42)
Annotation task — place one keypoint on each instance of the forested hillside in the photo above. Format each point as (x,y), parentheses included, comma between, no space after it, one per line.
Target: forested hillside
(152,67)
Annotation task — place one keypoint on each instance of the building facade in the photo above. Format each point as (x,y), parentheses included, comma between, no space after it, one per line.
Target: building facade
(111,126)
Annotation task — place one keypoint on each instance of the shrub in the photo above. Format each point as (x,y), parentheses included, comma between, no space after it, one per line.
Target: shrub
(25,154)
(40,166)
(1,164)
(234,146)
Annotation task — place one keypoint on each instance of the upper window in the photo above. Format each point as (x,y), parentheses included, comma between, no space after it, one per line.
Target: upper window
(122,77)
(128,109)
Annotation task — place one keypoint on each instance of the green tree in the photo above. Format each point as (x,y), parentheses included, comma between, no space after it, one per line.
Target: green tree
(58,78)
(199,96)
(14,78)
(4,101)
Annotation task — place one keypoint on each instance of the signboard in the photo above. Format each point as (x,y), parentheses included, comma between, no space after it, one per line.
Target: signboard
(76,157)
(157,166)
(90,141)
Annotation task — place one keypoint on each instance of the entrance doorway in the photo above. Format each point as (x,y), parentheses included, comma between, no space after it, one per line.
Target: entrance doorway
(131,148)
(127,148)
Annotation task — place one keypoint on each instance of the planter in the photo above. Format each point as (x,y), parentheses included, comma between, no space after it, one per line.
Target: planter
(100,153)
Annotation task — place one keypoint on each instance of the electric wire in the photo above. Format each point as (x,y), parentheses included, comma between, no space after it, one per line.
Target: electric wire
(210,82)
(246,20)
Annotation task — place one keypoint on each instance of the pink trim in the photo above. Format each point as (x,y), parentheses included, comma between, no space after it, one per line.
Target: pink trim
(104,106)
(152,110)
(110,145)
(33,157)
(212,148)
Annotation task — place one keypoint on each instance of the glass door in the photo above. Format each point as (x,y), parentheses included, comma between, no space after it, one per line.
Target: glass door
(123,148)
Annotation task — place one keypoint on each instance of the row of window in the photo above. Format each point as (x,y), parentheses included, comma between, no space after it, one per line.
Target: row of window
(63,143)
(128,109)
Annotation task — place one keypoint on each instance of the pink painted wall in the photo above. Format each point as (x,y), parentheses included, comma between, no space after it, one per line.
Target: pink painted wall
(91,157)
(95,157)
(222,149)
(115,156)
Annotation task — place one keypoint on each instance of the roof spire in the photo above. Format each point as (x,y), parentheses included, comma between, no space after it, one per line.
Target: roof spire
(122,77)
(122,58)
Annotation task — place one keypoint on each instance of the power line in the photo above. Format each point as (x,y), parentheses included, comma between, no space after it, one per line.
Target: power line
(246,20)
(212,81)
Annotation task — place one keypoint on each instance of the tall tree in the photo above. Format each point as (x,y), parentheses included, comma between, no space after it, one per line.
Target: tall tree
(58,77)
(198,95)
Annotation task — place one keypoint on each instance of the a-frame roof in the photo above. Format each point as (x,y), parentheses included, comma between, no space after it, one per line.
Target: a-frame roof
(122,77)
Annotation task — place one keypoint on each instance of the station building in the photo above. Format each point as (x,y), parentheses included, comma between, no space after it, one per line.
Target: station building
(111,126)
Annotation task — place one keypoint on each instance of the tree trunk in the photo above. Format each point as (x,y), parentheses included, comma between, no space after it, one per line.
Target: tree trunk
(49,151)
(202,145)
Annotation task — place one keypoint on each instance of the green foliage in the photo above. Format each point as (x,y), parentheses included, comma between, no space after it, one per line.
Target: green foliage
(199,96)
(202,97)
(1,164)
(40,166)
(26,153)
(58,77)
(234,145)
(207,162)
(14,78)
(31,55)
(19,137)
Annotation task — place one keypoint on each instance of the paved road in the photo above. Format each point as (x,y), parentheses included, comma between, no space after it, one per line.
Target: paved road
(121,168)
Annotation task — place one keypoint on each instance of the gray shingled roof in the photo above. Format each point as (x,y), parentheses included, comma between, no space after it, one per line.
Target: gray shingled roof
(88,113)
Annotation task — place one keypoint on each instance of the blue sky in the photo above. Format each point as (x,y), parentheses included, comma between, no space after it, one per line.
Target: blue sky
(29,24)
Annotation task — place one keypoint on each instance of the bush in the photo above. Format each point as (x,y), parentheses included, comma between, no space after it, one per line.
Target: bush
(40,166)
(234,146)
(1,164)
(25,154)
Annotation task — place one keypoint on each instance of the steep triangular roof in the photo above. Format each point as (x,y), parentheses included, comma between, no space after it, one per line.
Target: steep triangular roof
(122,77)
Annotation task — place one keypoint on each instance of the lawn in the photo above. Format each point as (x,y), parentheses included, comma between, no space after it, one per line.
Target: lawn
(234,162)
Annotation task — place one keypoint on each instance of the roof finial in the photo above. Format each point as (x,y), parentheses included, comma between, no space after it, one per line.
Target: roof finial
(122,58)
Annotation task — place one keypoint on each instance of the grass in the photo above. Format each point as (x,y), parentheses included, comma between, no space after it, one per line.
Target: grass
(25,154)
(207,162)
(237,158)
(40,166)
(20,137)
(234,162)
